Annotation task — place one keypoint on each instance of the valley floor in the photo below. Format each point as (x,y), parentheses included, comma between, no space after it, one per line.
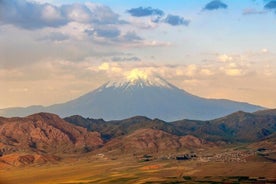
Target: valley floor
(101,169)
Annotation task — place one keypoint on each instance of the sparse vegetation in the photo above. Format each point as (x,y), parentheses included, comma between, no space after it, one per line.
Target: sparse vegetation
(91,169)
(131,153)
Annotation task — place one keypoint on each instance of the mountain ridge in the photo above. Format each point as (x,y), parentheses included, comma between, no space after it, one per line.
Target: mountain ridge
(236,127)
(46,138)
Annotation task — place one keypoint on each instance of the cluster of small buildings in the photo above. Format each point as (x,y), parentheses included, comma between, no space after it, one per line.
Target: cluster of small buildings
(231,156)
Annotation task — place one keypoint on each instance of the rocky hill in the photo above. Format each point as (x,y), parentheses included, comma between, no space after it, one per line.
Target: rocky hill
(112,129)
(236,127)
(45,133)
(44,137)
(152,141)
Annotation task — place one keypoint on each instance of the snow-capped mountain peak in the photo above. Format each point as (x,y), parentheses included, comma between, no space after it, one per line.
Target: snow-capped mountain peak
(139,78)
(139,93)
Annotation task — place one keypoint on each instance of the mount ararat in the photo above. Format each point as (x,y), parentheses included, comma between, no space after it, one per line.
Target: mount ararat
(143,95)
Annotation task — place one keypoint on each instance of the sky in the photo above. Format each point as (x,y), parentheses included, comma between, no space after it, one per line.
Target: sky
(52,51)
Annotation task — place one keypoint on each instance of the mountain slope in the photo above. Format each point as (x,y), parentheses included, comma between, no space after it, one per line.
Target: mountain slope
(247,126)
(144,141)
(45,133)
(112,129)
(271,112)
(140,95)
(236,127)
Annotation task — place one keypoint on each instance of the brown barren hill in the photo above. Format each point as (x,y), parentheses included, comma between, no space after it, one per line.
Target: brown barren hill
(154,141)
(45,133)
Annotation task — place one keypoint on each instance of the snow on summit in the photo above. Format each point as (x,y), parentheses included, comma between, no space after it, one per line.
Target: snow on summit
(140,93)
(139,78)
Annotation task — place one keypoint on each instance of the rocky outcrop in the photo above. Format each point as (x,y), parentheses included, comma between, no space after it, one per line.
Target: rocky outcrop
(17,159)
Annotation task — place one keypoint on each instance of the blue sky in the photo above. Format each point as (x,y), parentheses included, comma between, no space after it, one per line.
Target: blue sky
(52,51)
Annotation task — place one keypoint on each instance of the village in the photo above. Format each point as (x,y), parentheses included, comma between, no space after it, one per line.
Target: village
(236,156)
(233,156)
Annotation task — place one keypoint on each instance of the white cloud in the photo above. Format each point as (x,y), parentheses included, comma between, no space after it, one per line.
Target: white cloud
(268,70)
(191,70)
(50,13)
(206,72)
(104,66)
(31,15)
(102,14)
(264,51)
(76,30)
(233,71)
(77,13)
(224,58)
(143,22)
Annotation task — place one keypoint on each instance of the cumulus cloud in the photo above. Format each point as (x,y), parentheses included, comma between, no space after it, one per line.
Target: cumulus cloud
(31,15)
(183,72)
(235,69)
(225,58)
(215,4)
(112,69)
(234,66)
(131,36)
(176,20)
(104,66)
(88,22)
(233,72)
(110,35)
(76,12)
(156,16)
(264,51)
(143,12)
(271,5)
(144,22)
(107,32)
(103,14)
